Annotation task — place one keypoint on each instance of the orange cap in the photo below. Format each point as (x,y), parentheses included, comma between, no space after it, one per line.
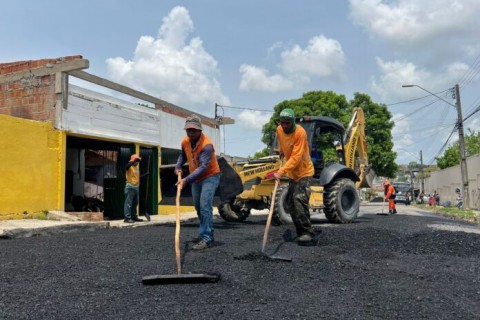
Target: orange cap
(133,157)
(386,182)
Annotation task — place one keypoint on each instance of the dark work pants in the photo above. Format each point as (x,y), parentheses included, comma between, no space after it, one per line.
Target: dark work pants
(131,202)
(297,205)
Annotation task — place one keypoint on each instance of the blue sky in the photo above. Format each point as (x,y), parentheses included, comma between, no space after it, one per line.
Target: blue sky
(254,54)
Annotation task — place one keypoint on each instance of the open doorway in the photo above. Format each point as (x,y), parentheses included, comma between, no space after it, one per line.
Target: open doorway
(95,177)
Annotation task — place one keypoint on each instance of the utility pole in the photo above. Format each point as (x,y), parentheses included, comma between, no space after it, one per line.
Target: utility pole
(421,172)
(461,143)
(461,139)
(222,120)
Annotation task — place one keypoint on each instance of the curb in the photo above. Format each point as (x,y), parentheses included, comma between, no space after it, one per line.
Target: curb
(13,229)
(50,230)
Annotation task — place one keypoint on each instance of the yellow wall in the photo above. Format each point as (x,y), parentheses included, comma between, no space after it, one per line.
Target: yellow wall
(31,166)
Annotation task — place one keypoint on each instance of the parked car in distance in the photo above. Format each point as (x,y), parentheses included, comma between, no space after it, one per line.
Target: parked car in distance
(403,192)
(424,199)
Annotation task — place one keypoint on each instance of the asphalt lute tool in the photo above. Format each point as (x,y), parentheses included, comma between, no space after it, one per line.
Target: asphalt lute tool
(180,278)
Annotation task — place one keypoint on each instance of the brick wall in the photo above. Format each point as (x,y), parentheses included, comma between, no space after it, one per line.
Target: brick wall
(31,97)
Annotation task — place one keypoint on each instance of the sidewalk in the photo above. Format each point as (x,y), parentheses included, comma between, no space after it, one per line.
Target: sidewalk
(23,228)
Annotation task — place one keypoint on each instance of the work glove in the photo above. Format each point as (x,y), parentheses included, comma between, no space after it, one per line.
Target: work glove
(270,175)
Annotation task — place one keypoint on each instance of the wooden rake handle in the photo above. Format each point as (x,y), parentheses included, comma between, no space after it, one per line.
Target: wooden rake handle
(177,225)
(269,219)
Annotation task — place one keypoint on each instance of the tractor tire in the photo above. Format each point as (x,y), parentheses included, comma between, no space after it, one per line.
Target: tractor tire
(341,201)
(280,214)
(233,212)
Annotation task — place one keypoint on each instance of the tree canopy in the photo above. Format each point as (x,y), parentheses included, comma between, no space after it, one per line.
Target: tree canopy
(451,155)
(327,103)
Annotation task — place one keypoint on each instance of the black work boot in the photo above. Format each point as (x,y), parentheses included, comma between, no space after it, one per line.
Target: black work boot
(306,239)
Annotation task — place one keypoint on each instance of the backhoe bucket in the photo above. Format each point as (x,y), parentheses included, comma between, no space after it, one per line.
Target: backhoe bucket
(368,177)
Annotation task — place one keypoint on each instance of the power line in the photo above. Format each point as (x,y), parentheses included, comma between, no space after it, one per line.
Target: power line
(242,108)
(415,111)
(423,129)
(415,99)
(472,113)
(473,105)
(471,73)
(406,101)
(443,147)
(422,107)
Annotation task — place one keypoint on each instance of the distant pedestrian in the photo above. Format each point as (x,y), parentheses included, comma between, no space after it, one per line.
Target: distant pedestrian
(420,197)
(204,177)
(431,199)
(132,187)
(459,199)
(437,198)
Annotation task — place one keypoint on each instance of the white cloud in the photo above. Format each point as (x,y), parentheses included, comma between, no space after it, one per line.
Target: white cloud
(457,69)
(171,67)
(472,124)
(403,139)
(253,119)
(175,28)
(274,47)
(401,133)
(323,57)
(471,50)
(257,79)
(394,74)
(406,22)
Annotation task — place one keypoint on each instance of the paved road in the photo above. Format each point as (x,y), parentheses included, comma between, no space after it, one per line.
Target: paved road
(407,266)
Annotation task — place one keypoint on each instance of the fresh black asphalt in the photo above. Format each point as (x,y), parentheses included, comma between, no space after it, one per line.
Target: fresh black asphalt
(380,267)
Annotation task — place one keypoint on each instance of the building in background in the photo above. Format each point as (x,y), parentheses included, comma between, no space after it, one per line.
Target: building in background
(65,146)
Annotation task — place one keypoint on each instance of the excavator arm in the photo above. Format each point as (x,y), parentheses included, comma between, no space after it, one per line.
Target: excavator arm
(355,144)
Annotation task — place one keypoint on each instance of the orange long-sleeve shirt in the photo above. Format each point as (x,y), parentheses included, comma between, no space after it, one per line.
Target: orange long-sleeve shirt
(297,153)
(389,192)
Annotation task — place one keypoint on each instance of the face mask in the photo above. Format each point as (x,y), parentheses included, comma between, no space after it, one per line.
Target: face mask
(292,128)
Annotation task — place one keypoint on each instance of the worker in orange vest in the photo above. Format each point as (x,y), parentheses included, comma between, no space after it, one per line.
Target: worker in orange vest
(390,196)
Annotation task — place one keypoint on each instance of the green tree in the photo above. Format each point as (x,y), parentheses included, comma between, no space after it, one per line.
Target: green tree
(327,103)
(472,142)
(263,153)
(451,155)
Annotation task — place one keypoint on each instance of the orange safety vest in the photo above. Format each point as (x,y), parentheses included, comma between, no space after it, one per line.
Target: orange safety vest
(192,156)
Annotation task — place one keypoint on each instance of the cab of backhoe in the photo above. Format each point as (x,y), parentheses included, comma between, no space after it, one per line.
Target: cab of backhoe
(325,136)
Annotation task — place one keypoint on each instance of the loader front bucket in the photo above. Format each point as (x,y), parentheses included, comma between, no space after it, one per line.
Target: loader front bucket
(230,182)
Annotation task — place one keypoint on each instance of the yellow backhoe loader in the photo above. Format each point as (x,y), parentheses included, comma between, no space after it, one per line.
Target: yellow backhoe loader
(341,167)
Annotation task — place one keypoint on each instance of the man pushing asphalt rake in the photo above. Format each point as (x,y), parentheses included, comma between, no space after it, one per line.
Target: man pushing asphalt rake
(298,167)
